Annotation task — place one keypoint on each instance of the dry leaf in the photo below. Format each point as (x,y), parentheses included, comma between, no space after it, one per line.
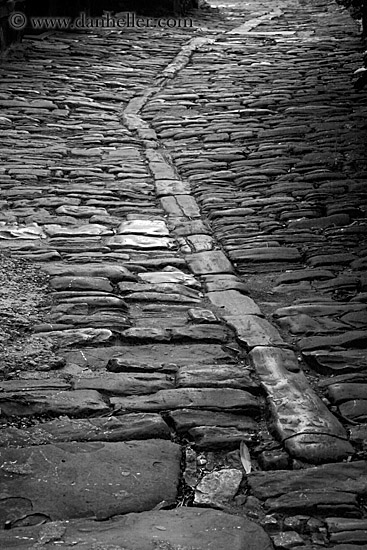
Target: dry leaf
(245,457)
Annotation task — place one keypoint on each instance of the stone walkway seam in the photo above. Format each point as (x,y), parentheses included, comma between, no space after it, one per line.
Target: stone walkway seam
(240,312)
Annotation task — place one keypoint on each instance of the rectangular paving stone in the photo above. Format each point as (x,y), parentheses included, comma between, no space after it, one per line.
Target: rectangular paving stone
(222,282)
(148,357)
(23,385)
(185,419)
(183,227)
(180,528)
(71,403)
(252,330)
(74,480)
(302,421)
(192,398)
(153,228)
(180,205)
(123,428)
(338,393)
(355,410)
(171,187)
(139,242)
(233,304)
(162,170)
(110,271)
(323,502)
(212,261)
(215,376)
(125,383)
(346,476)
(215,437)
(347,339)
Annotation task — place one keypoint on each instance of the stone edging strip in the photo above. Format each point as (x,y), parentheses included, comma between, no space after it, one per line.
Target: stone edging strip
(299,417)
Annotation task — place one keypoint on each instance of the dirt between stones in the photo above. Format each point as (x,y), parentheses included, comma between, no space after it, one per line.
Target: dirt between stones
(23,293)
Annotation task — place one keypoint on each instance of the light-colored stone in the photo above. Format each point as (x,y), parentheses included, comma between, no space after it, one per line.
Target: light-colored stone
(140,242)
(213,261)
(152,228)
(302,421)
(218,488)
(233,304)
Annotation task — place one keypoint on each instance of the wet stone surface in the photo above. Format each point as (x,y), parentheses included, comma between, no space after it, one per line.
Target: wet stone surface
(183,252)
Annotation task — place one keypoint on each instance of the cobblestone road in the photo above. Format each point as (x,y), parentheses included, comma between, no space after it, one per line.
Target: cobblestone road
(197,198)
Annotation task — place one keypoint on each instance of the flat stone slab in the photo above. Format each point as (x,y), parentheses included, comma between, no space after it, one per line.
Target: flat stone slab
(252,330)
(74,480)
(302,421)
(71,403)
(149,357)
(212,261)
(355,410)
(154,228)
(267,254)
(81,283)
(215,438)
(180,205)
(222,282)
(344,530)
(219,487)
(339,362)
(323,502)
(193,398)
(125,383)
(169,277)
(347,476)
(110,271)
(338,393)
(232,303)
(140,242)
(111,428)
(75,337)
(353,338)
(215,376)
(171,187)
(181,528)
(187,419)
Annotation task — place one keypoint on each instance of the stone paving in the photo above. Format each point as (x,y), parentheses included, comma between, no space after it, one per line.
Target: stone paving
(197,199)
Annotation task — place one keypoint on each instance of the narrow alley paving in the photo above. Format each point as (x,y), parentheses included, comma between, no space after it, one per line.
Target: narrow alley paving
(186,208)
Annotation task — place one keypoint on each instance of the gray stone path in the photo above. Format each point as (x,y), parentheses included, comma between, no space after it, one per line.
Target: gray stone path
(197,199)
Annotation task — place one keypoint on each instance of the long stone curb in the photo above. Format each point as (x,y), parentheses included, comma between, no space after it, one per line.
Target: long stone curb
(300,419)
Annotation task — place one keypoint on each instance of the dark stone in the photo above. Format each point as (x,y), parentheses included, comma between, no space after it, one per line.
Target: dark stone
(185,419)
(215,376)
(123,428)
(338,393)
(323,502)
(68,480)
(182,527)
(215,399)
(273,460)
(345,477)
(337,362)
(71,403)
(215,437)
(354,410)
(125,383)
